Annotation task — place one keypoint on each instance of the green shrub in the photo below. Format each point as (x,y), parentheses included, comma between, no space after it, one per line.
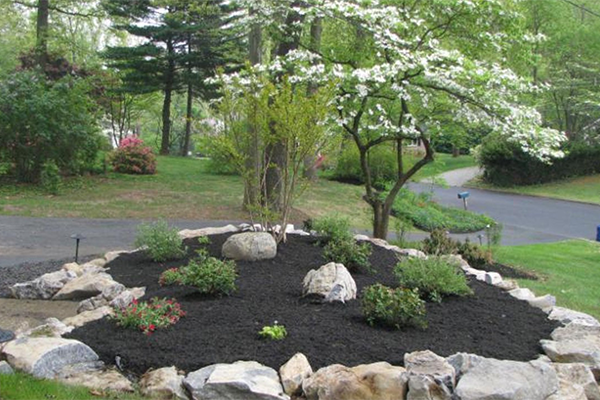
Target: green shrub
(273,332)
(427,215)
(50,178)
(354,256)
(382,163)
(439,243)
(474,254)
(163,242)
(207,274)
(332,227)
(433,277)
(339,243)
(43,121)
(395,308)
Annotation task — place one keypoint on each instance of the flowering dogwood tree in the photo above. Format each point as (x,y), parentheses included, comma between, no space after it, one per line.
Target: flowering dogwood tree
(402,66)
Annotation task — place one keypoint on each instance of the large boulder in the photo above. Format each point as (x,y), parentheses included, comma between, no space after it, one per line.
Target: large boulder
(126,298)
(294,372)
(52,327)
(43,287)
(45,357)
(576,383)
(164,383)
(489,379)
(194,233)
(567,316)
(85,286)
(250,246)
(424,387)
(522,294)
(88,316)
(332,282)
(103,299)
(544,303)
(430,364)
(378,381)
(243,380)
(575,343)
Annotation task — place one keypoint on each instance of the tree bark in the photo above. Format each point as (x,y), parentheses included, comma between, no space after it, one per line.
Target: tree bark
(166,111)
(185,148)
(42,32)
(252,190)
(310,162)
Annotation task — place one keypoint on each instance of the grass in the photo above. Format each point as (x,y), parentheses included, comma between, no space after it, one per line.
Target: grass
(182,189)
(24,387)
(585,189)
(444,163)
(568,270)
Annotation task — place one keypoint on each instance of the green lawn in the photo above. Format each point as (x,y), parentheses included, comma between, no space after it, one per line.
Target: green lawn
(569,270)
(24,387)
(444,163)
(182,189)
(585,189)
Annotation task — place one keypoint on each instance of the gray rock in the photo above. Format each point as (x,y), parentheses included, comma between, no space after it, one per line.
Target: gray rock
(575,343)
(243,380)
(190,234)
(294,372)
(126,298)
(508,285)
(100,380)
(46,357)
(5,368)
(250,246)
(331,281)
(378,381)
(522,294)
(423,387)
(88,316)
(91,304)
(430,364)
(163,383)
(85,286)
(43,287)
(490,379)
(51,328)
(567,316)
(493,278)
(576,382)
(544,303)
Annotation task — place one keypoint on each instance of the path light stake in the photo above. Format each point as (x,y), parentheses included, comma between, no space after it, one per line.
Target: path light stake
(77,238)
(480,236)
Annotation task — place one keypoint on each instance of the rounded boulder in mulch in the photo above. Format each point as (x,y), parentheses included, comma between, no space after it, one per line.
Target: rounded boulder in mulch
(224,330)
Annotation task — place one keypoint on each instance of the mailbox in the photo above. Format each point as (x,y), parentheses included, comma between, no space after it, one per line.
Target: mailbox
(464,195)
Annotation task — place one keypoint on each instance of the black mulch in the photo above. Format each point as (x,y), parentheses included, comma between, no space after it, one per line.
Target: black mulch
(490,324)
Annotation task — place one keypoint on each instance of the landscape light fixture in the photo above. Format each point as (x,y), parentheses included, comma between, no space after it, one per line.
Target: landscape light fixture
(78,237)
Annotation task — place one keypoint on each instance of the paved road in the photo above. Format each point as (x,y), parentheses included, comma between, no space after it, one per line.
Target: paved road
(526,220)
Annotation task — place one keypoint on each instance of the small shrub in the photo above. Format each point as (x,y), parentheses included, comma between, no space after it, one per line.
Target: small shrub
(207,274)
(50,178)
(332,228)
(474,254)
(439,243)
(382,164)
(204,240)
(395,308)
(149,316)
(132,157)
(163,243)
(433,277)
(273,332)
(354,256)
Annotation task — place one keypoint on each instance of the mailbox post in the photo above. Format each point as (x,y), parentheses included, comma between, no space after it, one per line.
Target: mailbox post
(464,196)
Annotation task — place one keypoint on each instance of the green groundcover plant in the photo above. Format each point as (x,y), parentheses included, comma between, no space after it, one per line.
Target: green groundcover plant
(273,332)
(149,316)
(396,308)
(161,241)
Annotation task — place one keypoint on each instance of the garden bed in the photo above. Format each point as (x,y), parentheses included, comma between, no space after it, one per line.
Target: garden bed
(223,330)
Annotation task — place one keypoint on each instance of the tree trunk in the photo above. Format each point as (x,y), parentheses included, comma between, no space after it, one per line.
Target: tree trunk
(310,162)
(42,33)
(381,221)
(185,148)
(252,190)
(166,111)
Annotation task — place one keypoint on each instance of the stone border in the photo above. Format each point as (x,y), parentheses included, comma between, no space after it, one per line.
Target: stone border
(570,368)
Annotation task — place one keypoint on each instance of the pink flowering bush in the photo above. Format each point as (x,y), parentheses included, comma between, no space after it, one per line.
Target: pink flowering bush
(149,316)
(132,157)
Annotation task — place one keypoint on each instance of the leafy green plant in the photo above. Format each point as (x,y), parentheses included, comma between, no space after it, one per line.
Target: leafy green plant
(474,254)
(149,316)
(208,275)
(433,277)
(439,243)
(332,228)
(204,240)
(50,178)
(161,241)
(397,308)
(354,256)
(273,332)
